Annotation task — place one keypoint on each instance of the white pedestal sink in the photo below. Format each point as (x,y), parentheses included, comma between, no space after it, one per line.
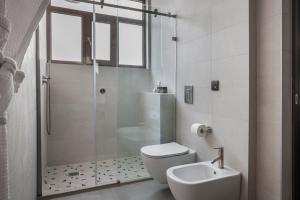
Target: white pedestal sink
(204,181)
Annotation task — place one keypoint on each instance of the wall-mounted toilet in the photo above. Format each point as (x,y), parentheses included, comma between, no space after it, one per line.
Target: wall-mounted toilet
(159,158)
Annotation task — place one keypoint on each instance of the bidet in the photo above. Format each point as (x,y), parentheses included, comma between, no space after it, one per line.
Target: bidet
(204,181)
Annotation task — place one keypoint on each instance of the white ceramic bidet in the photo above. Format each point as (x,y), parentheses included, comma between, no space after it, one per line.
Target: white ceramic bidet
(204,181)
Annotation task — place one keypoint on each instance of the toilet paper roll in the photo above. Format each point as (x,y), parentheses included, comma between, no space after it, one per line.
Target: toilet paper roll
(199,129)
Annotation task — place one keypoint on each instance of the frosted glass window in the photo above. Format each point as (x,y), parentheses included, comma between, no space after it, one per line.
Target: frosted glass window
(102,37)
(66,37)
(130,44)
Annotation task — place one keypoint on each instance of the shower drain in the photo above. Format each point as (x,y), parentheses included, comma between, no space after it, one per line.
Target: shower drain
(73,174)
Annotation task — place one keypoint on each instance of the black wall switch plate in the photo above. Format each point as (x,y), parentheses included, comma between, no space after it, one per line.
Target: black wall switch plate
(188,94)
(215,85)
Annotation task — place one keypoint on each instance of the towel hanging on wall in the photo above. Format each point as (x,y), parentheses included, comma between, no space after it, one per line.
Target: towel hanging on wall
(7,71)
(4,32)
(10,81)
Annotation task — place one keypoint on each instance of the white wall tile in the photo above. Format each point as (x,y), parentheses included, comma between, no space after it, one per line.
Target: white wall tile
(231,41)
(194,73)
(231,103)
(195,50)
(232,72)
(226,13)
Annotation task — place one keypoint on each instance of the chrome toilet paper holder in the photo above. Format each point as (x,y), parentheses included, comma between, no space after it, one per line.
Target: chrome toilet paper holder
(207,129)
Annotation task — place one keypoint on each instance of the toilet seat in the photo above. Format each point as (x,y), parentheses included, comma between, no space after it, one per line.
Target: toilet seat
(159,158)
(164,150)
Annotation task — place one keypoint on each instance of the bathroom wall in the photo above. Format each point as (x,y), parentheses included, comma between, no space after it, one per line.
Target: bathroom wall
(22,133)
(213,44)
(270,60)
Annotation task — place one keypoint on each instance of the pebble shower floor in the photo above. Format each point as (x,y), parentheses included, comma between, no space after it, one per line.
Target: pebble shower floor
(79,176)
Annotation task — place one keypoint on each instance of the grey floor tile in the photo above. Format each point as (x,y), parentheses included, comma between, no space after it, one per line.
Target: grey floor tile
(145,190)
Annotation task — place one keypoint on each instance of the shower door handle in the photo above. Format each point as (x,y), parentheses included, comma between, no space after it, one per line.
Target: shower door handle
(46,80)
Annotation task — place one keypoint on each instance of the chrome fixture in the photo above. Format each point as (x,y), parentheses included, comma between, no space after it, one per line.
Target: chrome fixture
(45,79)
(220,157)
(207,130)
(102,91)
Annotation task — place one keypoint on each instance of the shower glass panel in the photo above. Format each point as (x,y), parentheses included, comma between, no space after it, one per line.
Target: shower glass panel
(70,145)
(102,106)
(129,115)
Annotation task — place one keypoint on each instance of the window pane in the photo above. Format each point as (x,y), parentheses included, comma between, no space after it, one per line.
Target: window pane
(66,37)
(102,41)
(130,44)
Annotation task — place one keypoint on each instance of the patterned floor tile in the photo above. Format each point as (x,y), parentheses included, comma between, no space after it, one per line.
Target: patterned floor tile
(67,178)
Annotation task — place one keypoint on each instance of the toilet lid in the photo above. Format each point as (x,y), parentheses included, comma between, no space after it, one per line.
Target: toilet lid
(164,150)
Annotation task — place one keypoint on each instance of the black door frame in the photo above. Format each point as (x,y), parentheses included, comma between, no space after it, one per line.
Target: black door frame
(295,104)
(38,108)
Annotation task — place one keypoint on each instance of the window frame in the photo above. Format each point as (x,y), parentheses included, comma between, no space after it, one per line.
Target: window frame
(68,12)
(100,18)
(87,19)
(139,23)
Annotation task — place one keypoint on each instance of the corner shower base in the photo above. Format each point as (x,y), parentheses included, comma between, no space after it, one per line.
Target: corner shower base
(73,177)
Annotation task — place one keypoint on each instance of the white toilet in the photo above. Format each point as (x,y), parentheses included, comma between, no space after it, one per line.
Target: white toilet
(159,158)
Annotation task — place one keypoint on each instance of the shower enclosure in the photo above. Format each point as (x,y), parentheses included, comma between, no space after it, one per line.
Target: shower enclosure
(105,59)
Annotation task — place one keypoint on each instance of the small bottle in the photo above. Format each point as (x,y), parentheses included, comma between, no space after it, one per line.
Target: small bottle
(157,88)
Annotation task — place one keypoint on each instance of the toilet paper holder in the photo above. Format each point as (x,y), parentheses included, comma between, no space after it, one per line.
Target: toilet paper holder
(207,129)
(201,129)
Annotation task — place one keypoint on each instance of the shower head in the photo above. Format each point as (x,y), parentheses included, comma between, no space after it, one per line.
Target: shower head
(72,1)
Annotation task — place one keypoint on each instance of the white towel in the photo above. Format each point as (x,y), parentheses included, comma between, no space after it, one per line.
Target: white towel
(18,79)
(4,191)
(2,7)
(7,72)
(4,31)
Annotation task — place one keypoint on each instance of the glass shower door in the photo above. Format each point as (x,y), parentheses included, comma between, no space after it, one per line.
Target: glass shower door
(68,141)
(133,51)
